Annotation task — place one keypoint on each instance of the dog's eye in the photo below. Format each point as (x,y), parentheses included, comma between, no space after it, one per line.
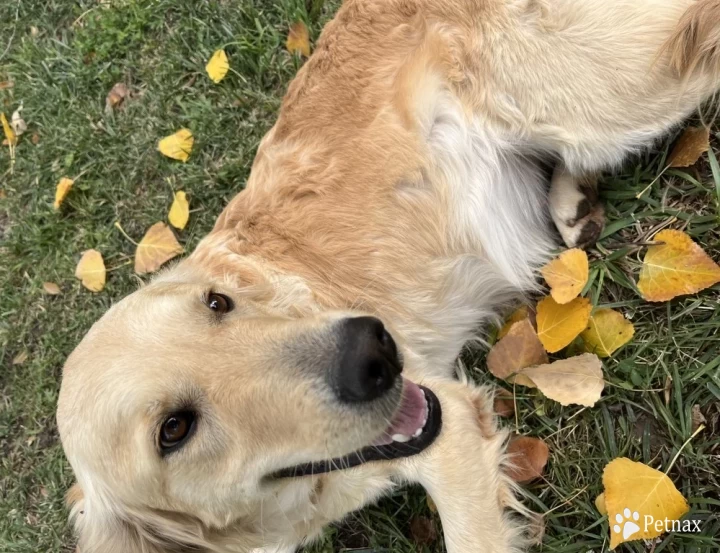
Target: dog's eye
(218,303)
(175,429)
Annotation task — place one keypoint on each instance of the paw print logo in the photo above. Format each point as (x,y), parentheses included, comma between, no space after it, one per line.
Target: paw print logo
(625,524)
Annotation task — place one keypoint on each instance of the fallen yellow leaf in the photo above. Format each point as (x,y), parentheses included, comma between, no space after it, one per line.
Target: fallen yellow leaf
(9,133)
(20,358)
(177,146)
(576,380)
(91,270)
(606,332)
(518,349)
(62,190)
(51,288)
(677,267)
(179,211)
(566,275)
(600,504)
(157,246)
(639,499)
(218,66)
(559,324)
(522,312)
(298,40)
(693,142)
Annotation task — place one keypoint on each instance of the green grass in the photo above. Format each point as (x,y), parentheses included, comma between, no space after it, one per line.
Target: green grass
(64,57)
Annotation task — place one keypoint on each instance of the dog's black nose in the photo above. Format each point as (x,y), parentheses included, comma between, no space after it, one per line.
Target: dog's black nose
(369,362)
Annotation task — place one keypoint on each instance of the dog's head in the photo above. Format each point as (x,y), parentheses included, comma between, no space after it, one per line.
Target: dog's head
(192,399)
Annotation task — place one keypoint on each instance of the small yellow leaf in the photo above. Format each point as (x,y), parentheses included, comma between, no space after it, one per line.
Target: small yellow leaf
(62,190)
(519,348)
(298,40)
(600,504)
(559,324)
(521,313)
(157,246)
(9,133)
(677,267)
(639,499)
(91,270)
(218,66)
(179,211)
(177,146)
(431,504)
(607,331)
(51,288)
(576,380)
(20,358)
(693,142)
(566,275)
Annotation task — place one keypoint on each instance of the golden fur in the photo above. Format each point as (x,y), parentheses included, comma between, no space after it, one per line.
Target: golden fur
(400,180)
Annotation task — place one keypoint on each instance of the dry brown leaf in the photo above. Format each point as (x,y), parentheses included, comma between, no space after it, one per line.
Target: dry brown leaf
(298,40)
(577,379)
(503,403)
(20,358)
(522,312)
(422,530)
(667,389)
(698,419)
(693,142)
(529,457)
(6,84)
(559,324)
(51,288)
(91,270)
(567,275)
(157,246)
(676,267)
(116,96)
(35,138)
(519,348)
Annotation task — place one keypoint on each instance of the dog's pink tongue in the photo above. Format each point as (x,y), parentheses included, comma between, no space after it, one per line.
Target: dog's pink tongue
(410,417)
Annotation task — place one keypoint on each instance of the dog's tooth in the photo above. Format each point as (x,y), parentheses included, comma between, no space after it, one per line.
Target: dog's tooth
(418,431)
(402,438)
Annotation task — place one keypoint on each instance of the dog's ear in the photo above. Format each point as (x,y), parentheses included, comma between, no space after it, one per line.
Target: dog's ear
(106,527)
(104,530)
(695,44)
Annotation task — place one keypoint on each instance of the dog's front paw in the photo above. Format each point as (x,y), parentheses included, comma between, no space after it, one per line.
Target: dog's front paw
(575,208)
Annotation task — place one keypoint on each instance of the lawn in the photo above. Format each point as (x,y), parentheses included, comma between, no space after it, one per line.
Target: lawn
(59,59)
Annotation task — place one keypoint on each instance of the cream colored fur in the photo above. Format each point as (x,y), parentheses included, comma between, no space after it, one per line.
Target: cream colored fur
(401,180)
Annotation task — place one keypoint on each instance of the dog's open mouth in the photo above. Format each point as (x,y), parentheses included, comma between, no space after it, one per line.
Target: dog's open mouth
(415,425)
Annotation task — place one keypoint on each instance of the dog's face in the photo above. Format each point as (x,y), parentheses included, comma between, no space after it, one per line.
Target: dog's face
(191,397)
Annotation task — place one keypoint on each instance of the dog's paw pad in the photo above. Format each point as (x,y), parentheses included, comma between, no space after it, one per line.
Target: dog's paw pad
(627,523)
(583,231)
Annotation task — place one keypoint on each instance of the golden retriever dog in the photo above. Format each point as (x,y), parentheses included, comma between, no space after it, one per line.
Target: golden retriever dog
(253,393)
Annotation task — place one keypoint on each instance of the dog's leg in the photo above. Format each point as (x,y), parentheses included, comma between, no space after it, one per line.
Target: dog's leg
(575,208)
(462,473)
